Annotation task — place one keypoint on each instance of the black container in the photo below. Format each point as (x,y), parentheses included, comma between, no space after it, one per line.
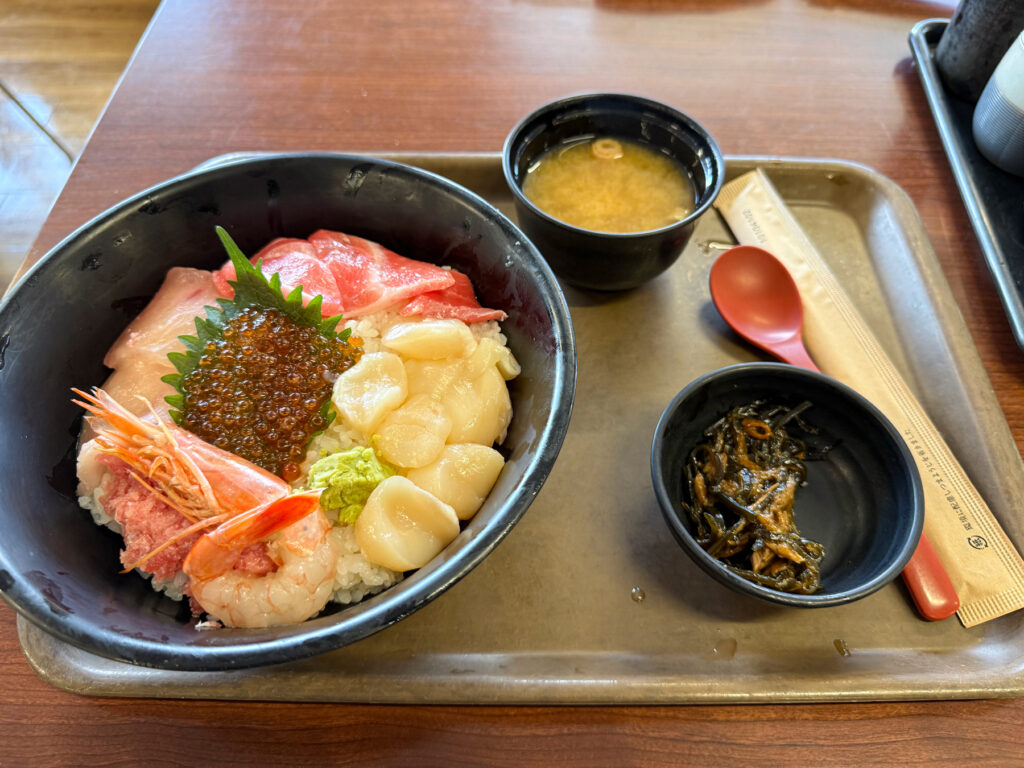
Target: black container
(61,571)
(862,499)
(601,260)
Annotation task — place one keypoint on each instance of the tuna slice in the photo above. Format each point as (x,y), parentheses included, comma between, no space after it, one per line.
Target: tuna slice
(357,277)
(457,301)
(370,277)
(139,356)
(297,263)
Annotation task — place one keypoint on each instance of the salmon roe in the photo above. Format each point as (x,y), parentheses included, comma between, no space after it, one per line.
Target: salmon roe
(258,390)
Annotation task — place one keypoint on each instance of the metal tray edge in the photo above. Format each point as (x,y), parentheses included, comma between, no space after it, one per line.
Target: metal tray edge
(920,44)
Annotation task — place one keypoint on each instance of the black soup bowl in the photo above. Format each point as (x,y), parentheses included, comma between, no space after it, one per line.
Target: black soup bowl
(61,571)
(609,261)
(862,498)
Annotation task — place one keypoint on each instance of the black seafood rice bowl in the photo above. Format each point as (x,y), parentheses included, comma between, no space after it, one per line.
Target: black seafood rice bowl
(302,396)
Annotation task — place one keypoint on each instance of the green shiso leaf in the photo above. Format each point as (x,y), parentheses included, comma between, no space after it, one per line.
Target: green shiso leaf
(252,290)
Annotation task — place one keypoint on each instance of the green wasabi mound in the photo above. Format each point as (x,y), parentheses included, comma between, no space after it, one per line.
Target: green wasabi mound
(348,478)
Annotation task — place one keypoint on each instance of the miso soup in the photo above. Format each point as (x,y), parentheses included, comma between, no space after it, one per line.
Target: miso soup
(610,185)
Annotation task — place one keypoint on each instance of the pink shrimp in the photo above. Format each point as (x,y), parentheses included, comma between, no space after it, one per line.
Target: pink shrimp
(249,506)
(194,477)
(295,529)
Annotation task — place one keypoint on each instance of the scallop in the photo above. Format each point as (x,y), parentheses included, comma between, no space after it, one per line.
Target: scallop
(403,527)
(480,408)
(489,352)
(507,364)
(431,377)
(370,389)
(414,434)
(486,355)
(461,477)
(431,339)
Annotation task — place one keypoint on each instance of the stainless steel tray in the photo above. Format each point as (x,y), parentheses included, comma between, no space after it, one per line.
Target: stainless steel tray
(552,617)
(994,198)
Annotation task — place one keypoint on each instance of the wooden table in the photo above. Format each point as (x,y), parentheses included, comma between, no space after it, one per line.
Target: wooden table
(817,78)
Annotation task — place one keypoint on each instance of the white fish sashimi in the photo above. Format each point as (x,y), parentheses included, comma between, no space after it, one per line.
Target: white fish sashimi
(139,356)
(170,313)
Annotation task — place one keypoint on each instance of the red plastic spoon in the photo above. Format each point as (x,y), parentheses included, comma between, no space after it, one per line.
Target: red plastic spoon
(758,298)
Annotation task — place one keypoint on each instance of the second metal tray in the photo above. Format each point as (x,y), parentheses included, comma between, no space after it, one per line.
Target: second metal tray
(555,614)
(994,198)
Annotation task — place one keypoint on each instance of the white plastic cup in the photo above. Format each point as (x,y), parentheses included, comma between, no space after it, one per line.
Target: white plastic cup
(998,124)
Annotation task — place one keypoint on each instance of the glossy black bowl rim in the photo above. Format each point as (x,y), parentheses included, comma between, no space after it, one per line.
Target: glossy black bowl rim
(716,157)
(378,612)
(715,569)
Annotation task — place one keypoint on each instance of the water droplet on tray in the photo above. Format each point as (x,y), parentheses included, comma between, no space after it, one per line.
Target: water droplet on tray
(841,647)
(637,594)
(724,649)
(707,247)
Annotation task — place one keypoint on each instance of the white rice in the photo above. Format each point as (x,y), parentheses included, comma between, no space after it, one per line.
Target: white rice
(356,577)
(94,504)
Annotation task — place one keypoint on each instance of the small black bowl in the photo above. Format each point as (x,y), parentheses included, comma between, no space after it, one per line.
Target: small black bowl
(862,500)
(602,260)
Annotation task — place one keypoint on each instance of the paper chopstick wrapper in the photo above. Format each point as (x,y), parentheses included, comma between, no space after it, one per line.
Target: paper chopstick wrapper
(988,580)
